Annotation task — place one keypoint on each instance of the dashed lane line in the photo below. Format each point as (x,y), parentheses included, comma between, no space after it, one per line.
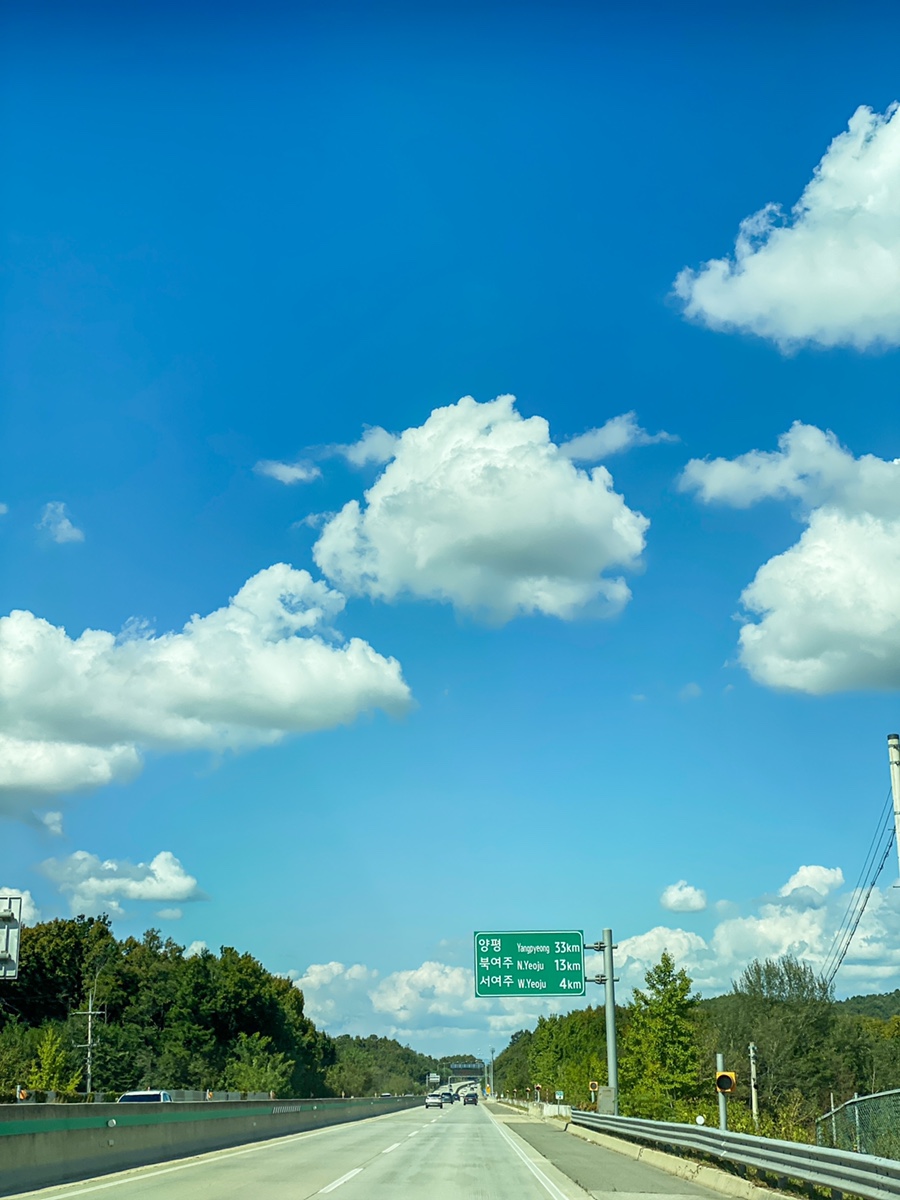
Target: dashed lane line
(390,1148)
(337,1182)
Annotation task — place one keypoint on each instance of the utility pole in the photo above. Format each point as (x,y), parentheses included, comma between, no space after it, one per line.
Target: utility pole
(894,759)
(754,1089)
(608,979)
(90,1012)
(492,1071)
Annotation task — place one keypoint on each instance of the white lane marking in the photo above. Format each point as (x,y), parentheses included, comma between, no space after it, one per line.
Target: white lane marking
(434,1120)
(548,1184)
(390,1148)
(414,1132)
(337,1182)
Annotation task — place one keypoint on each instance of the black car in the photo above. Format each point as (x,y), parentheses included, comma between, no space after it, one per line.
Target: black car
(470,1098)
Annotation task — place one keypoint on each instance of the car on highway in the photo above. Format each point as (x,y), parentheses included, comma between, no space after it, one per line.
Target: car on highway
(448,1097)
(147,1096)
(434,1100)
(470,1098)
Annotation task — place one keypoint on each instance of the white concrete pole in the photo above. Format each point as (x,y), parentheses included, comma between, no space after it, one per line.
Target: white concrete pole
(754,1090)
(723,1101)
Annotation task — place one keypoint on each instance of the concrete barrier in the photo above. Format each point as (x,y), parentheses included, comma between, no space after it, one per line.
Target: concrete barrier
(46,1144)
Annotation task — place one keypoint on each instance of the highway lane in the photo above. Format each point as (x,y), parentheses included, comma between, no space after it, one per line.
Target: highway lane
(458,1153)
(417,1154)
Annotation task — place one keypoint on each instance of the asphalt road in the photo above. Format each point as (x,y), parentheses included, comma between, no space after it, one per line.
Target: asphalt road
(457,1153)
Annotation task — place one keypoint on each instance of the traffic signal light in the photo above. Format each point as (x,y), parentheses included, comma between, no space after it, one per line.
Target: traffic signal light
(726,1081)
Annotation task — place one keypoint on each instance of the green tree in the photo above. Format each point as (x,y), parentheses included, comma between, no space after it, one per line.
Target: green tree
(53,1071)
(254,1067)
(18,1047)
(660,1063)
(786,1010)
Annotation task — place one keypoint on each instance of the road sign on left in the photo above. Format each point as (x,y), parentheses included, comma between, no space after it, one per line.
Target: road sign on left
(10,926)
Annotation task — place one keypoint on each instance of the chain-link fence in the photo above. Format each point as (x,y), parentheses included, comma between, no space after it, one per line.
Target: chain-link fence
(866,1124)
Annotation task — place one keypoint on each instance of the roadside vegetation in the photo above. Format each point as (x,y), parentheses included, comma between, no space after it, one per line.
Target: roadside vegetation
(809,1046)
(206,1022)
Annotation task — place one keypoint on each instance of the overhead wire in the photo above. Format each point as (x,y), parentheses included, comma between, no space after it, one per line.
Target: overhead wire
(875,860)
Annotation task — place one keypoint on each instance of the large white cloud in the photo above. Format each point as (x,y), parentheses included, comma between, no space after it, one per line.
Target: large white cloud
(480,509)
(93,885)
(435,1004)
(830,272)
(802,919)
(827,611)
(75,712)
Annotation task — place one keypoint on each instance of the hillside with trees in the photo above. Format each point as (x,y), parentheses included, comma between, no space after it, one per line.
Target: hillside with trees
(370,1065)
(206,1021)
(808,1045)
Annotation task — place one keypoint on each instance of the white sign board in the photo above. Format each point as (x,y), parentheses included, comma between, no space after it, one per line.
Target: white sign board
(10,927)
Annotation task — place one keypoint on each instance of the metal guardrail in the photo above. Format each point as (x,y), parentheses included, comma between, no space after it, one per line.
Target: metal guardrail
(842,1170)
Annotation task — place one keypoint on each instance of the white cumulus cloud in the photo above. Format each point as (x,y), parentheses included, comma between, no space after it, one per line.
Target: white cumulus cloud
(55,521)
(801,919)
(826,613)
(288,473)
(93,885)
(31,914)
(480,509)
(682,897)
(829,273)
(614,437)
(76,712)
(820,879)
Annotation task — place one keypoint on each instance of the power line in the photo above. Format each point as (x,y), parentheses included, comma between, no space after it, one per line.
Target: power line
(862,892)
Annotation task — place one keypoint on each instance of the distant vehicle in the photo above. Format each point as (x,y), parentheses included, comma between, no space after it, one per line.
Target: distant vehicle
(150,1096)
(470,1098)
(447,1097)
(434,1100)
(386,1094)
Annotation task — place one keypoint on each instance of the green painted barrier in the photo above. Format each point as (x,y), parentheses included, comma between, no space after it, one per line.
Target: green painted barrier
(42,1145)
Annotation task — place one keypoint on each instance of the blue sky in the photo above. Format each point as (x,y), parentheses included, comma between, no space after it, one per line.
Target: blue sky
(513,691)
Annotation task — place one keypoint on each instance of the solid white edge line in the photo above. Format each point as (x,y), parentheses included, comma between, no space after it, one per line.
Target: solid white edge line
(390,1148)
(548,1184)
(337,1182)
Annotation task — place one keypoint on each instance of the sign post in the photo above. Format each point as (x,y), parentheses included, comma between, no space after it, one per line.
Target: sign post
(533,962)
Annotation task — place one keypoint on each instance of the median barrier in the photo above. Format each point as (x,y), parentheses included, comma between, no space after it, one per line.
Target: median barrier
(46,1144)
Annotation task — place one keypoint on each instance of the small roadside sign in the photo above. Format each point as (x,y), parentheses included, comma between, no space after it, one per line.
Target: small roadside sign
(594,1086)
(560,1096)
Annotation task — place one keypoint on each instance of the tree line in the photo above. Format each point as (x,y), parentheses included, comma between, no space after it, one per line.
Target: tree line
(809,1048)
(207,1021)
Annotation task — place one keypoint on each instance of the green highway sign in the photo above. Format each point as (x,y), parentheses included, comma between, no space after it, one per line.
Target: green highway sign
(538,962)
